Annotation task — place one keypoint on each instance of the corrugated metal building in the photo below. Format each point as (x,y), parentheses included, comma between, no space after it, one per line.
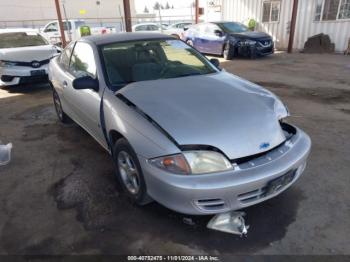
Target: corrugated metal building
(331,17)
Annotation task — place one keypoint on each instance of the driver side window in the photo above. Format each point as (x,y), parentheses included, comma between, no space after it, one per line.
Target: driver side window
(51,27)
(82,61)
(65,56)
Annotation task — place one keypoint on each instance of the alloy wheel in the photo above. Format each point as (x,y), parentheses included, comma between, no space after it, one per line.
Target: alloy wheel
(128,172)
(58,106)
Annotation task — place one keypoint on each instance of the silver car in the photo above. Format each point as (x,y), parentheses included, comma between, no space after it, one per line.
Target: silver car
(180,130)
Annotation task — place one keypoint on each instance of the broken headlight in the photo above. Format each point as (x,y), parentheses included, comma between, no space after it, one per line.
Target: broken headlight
(193,162)
(7,63)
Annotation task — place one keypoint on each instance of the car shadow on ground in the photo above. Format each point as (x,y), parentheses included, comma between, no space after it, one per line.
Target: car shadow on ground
(26,88)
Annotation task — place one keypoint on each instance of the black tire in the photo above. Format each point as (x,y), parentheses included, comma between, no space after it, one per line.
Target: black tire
(228,52)
(62,116)
(139,196)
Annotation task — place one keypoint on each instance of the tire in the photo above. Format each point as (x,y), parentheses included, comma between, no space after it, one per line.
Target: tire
(62,116)
(228,51)
(129,173)
(189,42)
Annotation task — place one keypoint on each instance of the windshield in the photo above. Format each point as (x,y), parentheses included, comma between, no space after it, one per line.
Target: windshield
(232,27)
(150,60)
(21,39)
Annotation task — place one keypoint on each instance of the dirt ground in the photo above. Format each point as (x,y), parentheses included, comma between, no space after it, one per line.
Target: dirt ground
(59,195)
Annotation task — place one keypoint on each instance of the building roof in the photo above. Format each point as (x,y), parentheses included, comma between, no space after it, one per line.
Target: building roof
(124,37)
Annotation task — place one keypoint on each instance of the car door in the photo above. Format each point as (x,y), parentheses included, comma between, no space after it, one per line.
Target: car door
(84,104)
(58,75)
(198,37)
(210,42)
(215,42)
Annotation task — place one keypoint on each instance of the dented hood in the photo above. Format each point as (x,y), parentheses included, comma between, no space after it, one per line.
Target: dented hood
(219,110)
(28,54)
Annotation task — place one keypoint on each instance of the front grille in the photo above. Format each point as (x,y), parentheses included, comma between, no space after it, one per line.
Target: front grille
(33,79)
(252,196)
(289,132)
(213,204)
(265,191)
(30,64)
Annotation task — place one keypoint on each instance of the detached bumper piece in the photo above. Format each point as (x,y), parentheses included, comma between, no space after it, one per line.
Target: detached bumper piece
(230,222)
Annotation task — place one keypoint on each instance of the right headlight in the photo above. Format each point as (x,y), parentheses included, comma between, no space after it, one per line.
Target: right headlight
(7,63)
(193,162)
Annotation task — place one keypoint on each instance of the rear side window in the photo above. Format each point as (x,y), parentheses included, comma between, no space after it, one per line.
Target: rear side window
(65,56)
(141,28)
(152,28)
(82,61)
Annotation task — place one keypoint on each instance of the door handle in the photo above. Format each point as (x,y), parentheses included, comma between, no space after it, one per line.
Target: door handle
(65,84)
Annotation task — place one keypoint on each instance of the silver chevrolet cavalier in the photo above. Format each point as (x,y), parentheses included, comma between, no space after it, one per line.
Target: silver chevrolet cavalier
(180,130)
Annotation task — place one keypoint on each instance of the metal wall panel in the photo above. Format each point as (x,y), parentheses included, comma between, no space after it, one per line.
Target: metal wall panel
(339,31)
(242,10)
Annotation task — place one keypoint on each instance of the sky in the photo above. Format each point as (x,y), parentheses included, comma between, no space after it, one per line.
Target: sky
(140,4)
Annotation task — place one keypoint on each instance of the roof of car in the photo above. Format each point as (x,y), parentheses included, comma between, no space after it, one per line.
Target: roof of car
(123,37)
(19,30)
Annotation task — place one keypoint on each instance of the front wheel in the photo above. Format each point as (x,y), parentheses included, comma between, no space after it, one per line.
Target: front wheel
(228,51)
(129,173)
(62,116)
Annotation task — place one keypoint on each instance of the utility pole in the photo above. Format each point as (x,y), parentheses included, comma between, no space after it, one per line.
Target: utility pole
(59,17)
(67,22)
(196,3)
(292,26)
(127,15)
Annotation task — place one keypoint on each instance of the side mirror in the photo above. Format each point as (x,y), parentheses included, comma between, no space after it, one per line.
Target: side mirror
(186,28)
(218,33)
(85,82)
(215,62)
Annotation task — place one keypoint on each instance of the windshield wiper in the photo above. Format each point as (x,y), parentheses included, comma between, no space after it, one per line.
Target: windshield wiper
(189,74)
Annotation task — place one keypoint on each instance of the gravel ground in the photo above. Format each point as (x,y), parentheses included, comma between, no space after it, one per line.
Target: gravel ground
(59,194)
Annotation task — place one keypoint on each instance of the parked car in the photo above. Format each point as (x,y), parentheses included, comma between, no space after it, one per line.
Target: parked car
(147,27)
(182,132)
(52,33)
(228,39)
(177,29)
(24,56)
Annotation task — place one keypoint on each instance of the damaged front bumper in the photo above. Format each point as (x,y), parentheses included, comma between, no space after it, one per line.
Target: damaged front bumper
(251,182)
(257,49)
(15,75)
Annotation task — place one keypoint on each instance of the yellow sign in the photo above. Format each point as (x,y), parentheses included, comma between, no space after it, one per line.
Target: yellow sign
(82,11)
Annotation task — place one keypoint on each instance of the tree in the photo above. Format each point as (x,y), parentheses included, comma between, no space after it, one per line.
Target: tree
(146,11)
(172,7)
(156,6)
(167,6)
